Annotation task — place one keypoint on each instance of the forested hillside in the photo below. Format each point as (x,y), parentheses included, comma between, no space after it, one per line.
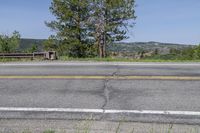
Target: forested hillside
(116,47)
(146,46)
(29,43)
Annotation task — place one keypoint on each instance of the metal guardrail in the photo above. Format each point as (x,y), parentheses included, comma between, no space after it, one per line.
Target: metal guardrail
(51,55)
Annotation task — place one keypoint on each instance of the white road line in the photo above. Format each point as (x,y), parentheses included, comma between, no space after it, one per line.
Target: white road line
(153,112)
(72,110)
(100,63)
(101,111)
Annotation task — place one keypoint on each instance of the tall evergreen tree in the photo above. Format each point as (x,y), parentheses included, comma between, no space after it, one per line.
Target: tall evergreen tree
(112,21)
(81,23)
(70,25)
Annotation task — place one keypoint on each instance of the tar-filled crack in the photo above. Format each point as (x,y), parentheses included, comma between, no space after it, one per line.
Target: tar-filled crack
(106,88)
(105,93)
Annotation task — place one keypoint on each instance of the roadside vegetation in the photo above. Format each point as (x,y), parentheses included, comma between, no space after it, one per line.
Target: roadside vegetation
(9,43)
(93,30)
(113,59)
(86,127)
(85,28)
(115,53)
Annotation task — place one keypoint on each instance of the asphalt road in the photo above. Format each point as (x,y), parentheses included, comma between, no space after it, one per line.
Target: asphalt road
(85,68)
(138,94)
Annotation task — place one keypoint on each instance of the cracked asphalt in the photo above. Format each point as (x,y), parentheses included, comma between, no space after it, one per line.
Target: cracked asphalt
(175,95)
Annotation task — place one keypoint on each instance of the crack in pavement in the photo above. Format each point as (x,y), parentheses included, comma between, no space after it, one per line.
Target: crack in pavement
(117,70)
(106,93)
(106,88)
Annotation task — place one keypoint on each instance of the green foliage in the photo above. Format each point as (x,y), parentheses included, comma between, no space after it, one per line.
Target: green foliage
(76,50)
(110,19)
(9,44)
(49,131)
(26,44)
(196,54)
(190,53)
(81,25)
(71,25)
(187,54)
(163,57)
(34,48)
(51,44)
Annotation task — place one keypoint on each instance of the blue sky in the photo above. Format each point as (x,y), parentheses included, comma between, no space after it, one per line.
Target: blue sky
(176,21)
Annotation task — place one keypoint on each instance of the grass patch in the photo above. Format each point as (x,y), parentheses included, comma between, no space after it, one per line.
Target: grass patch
(111,59)
(96,59)
(12,59)
(19,59)
(49,131)
(85,127)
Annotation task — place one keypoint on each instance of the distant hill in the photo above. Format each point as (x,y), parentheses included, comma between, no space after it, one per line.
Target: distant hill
(28,43)
(117,47)
(146,46)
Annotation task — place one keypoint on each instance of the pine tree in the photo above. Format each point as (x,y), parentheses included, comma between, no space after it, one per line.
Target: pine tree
(71,25)
(82,23)
(111,18)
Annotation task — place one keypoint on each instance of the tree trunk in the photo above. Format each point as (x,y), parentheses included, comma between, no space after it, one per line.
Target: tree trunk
(104,45)
(101,47)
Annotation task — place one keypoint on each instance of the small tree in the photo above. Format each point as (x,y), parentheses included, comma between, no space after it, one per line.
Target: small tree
(156,51)
(196,54)
(34,48)
(51,44)
(9,44)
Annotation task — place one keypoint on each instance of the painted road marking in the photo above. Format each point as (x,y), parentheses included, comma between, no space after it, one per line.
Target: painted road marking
(98,63)
(105,77)
(101,111)
(14,109)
